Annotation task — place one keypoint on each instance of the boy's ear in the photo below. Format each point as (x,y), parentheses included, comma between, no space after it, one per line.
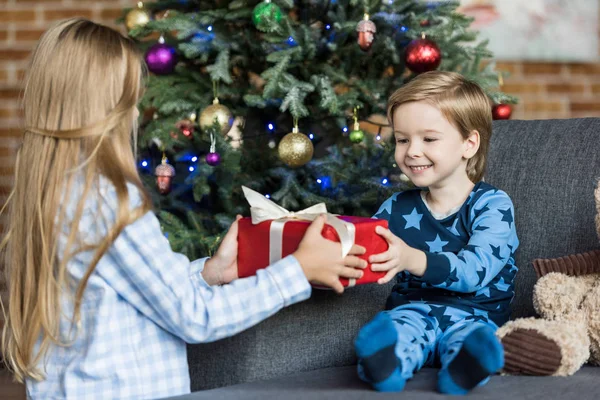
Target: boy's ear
(471,144)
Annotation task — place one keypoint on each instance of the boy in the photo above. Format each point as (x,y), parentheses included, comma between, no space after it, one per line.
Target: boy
(451,246)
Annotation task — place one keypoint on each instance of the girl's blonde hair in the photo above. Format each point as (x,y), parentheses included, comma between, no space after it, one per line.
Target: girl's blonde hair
(83,84)
(461,101)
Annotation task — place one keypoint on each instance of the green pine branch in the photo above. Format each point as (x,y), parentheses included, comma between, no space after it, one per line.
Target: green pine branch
(307,66)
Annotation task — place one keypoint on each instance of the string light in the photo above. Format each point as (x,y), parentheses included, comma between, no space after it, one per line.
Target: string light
(311,136)
(328,27)
(194,159)
(325,182)
(384,181)
(209,28)
(270,126)
(191,168)
(345,130)
(268,196)
(144,163)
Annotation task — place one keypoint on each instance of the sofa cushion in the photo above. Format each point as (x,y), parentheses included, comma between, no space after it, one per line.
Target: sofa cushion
(316,333)
(549,168)
(343,383)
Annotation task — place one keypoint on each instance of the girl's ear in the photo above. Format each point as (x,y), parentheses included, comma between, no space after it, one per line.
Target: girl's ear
(471,144)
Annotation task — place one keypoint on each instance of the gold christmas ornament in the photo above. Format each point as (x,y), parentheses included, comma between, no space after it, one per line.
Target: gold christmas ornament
(219,112)
(295,149)
(137,17)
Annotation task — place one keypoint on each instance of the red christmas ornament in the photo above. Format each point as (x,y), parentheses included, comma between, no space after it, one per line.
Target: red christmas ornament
(366,33)
(186,127)
(422,55)
(501,111)
(424,23)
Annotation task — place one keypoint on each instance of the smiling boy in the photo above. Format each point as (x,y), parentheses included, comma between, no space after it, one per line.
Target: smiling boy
(451,240)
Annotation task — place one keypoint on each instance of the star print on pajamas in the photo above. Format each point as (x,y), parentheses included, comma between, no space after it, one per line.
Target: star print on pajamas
(470,254)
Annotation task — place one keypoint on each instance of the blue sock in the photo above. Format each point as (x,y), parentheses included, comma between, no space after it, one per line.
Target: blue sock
(480,356)
(375,348)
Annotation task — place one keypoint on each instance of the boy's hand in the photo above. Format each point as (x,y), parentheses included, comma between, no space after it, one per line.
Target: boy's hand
(398,257)
(321,259)
(222,267)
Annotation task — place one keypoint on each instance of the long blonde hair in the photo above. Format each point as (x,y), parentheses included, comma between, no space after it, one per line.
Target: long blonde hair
(464,104)
(83,84)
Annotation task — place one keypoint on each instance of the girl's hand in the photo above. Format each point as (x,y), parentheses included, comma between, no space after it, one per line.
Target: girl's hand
(392,259)
(222,267)
(321,259)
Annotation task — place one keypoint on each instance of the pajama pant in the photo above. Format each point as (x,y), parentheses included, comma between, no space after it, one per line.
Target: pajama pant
(430,335)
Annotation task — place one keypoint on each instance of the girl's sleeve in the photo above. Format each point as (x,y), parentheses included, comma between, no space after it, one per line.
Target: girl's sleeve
(164,286)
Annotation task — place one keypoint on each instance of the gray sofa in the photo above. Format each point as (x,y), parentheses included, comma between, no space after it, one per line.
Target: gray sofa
(549,168)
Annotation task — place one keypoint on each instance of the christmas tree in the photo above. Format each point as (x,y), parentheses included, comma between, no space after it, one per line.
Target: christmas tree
(287,97)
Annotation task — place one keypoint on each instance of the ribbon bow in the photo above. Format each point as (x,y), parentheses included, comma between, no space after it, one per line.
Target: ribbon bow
(263,209)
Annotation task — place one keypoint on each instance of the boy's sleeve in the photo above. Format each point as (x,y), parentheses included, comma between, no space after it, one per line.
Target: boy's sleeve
(385,211)
(492,243)
(164,286)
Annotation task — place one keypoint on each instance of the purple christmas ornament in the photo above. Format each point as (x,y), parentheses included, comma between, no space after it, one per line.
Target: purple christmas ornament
(161,59)
(213,159)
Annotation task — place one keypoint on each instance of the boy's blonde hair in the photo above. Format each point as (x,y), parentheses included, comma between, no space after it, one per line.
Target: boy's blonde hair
(461,101)
(82,87)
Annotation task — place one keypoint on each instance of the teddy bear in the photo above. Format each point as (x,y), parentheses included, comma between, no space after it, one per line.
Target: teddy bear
(567,298)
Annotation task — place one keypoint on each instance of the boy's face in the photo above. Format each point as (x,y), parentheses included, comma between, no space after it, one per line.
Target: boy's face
(429,149)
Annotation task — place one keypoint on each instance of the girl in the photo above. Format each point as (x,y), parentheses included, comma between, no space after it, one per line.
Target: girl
(99,304)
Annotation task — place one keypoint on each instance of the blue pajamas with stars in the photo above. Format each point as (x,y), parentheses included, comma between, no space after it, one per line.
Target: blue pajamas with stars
(468,284)
(430,335)
(470,254)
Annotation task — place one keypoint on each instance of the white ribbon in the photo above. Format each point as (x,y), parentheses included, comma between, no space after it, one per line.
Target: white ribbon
(263,209)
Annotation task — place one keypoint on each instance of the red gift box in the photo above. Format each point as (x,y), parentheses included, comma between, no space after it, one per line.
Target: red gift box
(254,243)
